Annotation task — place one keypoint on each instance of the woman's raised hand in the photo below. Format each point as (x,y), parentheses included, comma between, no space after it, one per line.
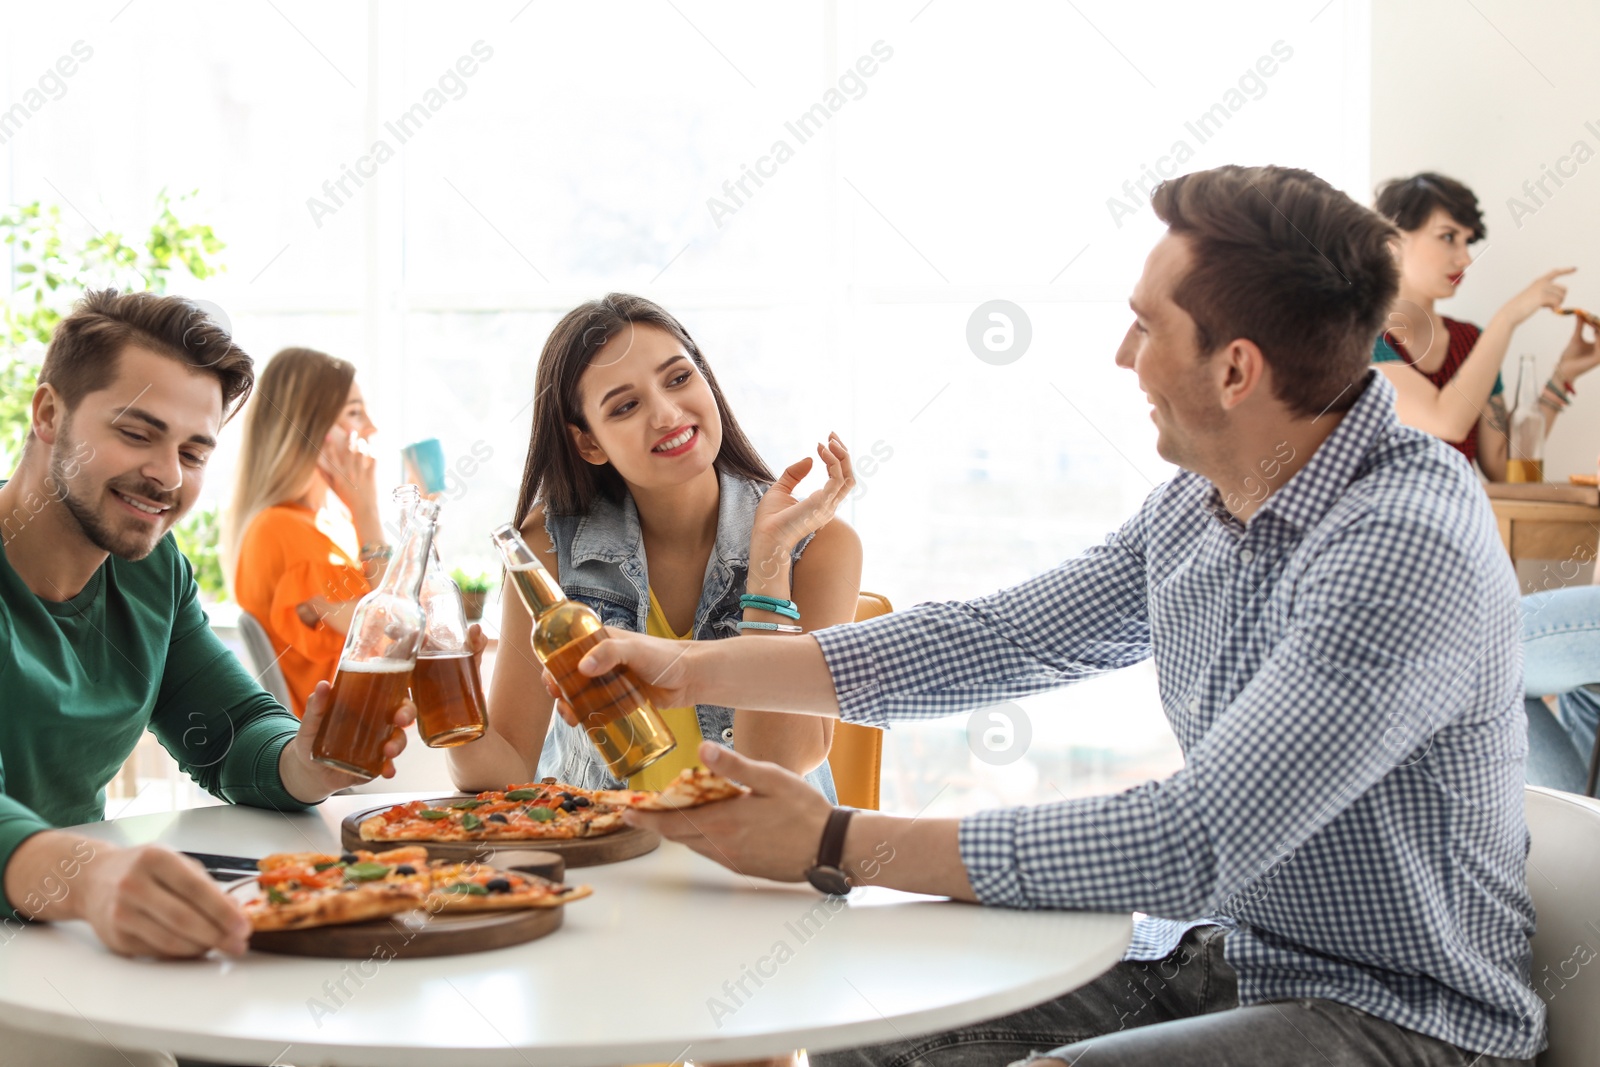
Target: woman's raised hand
(351,471)
(1544,292)
(1580,356)
(781,521)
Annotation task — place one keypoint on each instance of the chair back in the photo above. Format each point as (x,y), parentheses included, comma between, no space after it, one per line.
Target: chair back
(856,757)
(263,658)
(1563,871)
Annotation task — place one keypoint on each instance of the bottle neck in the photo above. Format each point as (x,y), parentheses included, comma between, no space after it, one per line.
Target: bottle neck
(538,589)
(410,564)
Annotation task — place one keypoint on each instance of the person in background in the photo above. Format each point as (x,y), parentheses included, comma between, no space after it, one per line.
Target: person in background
(303,538)
(105,638)
(1447,381)
(646,500)
(1446,373)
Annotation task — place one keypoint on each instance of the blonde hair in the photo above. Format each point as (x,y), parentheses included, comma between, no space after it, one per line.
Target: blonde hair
(296,402)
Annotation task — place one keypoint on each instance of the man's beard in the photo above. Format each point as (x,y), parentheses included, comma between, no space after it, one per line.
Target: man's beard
(107,536)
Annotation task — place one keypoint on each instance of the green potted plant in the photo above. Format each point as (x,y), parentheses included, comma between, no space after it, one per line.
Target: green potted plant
(52,264)
(199,537)
(475,590)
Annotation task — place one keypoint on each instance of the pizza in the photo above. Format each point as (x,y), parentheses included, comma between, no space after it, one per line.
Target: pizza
(480,887)
(305,889)
(300,890)
(395,857)
(546,811)
(693,787)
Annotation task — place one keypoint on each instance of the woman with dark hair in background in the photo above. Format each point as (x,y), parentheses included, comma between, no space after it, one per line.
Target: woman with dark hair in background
(303,539)
(647,502)
(1446,373)
(1446,376)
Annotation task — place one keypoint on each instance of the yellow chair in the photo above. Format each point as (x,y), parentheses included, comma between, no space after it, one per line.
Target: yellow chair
(856,757)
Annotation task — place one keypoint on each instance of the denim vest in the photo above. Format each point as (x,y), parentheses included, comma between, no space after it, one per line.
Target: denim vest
(601,559)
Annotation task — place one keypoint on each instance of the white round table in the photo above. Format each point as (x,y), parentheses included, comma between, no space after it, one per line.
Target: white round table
(672,958)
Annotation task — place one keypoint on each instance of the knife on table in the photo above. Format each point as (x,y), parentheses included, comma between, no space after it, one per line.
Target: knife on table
(226,868)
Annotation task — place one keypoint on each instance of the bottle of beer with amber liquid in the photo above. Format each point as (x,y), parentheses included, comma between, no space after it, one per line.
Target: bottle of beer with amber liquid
(612,708)
(380,651)
(1525,458)
(445,684)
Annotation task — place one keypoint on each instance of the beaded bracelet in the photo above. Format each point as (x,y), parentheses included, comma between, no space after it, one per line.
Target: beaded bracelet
(1553,398)
(776,627)
(787,608)
(376,551)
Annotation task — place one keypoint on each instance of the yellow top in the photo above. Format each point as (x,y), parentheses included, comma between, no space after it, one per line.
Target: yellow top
(683,722)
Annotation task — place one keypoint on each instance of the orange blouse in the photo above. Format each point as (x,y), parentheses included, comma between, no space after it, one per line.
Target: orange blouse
(285,560)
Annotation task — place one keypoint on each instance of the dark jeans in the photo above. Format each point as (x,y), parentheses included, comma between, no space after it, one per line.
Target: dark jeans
(1180,1010)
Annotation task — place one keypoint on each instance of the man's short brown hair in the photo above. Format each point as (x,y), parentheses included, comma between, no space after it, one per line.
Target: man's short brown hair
(83,351)
(1285,260)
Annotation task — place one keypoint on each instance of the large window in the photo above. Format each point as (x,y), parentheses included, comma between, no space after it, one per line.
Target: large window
(824,192)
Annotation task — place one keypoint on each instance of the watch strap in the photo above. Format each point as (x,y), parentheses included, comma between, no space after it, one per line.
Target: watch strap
(831,851)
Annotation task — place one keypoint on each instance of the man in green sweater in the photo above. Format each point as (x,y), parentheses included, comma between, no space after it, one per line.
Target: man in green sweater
(106,638)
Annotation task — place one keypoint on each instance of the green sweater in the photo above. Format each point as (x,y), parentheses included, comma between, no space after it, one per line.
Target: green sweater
(86,676)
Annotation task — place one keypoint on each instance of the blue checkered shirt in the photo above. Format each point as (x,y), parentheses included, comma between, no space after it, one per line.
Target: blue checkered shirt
(1344,677)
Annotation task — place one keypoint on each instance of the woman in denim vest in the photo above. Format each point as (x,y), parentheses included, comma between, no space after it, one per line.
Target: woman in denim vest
(646,501)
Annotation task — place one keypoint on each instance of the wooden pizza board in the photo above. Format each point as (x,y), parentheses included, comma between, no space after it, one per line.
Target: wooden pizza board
(410,935)
(625,844)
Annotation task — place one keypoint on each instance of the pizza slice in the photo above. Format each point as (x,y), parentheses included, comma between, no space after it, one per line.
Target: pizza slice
(550,810)
(480,887)
(693,787)
(299,890)
(539,823)
(420,820)
(413,855)
(550,787)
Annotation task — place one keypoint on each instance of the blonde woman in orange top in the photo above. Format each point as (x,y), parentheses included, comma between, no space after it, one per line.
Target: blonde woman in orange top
(303,539)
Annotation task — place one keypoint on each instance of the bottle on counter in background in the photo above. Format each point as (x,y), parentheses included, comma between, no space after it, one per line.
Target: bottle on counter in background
(379,654)
(612,708)
(1525,459)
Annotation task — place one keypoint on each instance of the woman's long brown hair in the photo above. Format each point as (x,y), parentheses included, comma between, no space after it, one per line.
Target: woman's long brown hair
(297,399)
(555,475)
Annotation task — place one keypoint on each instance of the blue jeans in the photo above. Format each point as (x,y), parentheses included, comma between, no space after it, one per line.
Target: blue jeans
(1561,654)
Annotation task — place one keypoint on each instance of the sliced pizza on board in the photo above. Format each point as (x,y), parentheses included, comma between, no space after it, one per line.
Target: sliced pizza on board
(525,814)
(301,890)
(306,889)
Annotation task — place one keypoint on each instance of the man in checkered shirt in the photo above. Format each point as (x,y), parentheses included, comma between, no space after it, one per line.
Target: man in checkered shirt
(1335,629)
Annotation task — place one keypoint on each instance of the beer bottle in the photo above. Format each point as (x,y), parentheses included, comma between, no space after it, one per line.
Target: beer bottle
(380,651)
(445,684)
(433,580)
(612,708)
(1525,457)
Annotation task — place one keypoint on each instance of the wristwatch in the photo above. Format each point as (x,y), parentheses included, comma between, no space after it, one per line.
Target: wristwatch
(827,876)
